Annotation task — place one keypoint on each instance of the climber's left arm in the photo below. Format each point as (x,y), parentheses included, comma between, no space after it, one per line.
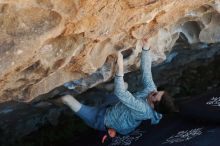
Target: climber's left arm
(146,78)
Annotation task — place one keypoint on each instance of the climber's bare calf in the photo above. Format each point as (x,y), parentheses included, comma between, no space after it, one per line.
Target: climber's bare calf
(71,102)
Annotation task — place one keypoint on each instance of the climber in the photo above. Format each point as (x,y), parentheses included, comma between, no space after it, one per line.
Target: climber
(130,110)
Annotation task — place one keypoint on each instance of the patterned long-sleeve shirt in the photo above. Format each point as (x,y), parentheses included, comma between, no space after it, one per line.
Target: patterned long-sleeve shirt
(132,109)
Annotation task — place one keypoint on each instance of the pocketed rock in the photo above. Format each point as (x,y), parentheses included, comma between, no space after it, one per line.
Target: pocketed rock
(46,43)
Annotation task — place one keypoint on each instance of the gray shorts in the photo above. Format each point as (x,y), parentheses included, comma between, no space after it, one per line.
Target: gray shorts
(93,116)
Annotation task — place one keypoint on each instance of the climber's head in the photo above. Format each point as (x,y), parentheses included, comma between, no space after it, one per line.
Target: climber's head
(162,102)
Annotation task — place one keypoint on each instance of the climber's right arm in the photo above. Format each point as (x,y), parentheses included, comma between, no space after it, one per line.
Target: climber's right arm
(123,94)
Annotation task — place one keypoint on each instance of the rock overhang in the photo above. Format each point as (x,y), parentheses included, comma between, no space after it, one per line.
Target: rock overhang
(46,43)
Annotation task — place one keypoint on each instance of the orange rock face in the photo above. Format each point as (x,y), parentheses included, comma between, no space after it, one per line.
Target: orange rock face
(45,43)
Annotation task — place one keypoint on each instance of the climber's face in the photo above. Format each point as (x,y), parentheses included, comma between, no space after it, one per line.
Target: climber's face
(154,97)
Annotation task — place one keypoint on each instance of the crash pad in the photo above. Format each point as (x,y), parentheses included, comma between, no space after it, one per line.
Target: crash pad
(169,132)
(205,106)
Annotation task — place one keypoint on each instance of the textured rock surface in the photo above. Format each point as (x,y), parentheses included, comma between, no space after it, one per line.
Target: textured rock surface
(45,43)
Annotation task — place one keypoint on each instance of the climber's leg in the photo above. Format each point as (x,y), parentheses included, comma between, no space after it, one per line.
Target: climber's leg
(111,98)
(108,98)
(71,102)
(92,116)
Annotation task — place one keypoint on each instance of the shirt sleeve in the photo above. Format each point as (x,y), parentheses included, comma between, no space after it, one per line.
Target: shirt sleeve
(146,77)
(127,98)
